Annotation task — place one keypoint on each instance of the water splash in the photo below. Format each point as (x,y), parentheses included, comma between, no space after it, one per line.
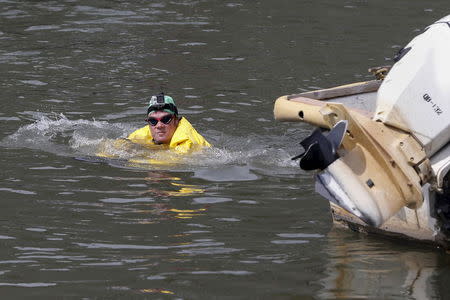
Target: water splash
(59,135)
(86,138)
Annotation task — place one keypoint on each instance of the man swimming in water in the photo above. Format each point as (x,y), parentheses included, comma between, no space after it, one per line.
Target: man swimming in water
(165,127)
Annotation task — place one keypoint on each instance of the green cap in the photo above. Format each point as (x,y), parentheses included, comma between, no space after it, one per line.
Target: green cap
(162,103)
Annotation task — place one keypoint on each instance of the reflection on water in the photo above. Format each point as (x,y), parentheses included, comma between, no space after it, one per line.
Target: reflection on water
(358,268)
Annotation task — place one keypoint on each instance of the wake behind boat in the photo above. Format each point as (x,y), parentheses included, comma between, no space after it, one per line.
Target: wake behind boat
(382,149)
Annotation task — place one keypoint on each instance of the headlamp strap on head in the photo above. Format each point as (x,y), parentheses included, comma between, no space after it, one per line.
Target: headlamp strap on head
(160,98)
(159,103)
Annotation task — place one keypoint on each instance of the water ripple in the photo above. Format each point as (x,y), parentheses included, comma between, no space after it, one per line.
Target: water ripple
(6,262)
(34,82)
(209,251)
(18,191)
(28,285)
(211,200)
(124,200)
(300,235)
(37,249)
(289,242)
(89,10)
(42,27)
(144,247)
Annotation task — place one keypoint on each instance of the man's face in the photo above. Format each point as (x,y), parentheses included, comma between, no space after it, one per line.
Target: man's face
(162,133)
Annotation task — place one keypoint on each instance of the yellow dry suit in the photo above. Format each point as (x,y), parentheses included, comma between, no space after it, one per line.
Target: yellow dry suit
(184,139)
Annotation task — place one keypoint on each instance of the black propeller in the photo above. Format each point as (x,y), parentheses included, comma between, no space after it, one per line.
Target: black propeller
(321,150)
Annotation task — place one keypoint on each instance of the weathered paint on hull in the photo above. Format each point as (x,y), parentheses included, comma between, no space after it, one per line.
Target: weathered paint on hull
(412,224)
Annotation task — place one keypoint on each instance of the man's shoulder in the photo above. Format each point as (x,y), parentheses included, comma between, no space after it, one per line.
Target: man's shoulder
(140,134)
(186,132)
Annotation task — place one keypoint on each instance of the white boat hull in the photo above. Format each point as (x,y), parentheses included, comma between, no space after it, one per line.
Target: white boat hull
(414,224)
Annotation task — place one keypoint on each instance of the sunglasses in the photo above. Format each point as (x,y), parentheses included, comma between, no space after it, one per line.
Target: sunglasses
(153,121)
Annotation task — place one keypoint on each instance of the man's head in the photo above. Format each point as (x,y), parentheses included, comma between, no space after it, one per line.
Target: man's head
(162,118)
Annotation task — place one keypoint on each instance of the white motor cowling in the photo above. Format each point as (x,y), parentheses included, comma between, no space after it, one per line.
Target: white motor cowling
(415,95)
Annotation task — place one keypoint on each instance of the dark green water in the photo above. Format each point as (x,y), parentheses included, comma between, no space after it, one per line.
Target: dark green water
(239,221)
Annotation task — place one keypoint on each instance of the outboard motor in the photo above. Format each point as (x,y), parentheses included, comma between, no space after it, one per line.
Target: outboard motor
(385,161)
(415,95)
